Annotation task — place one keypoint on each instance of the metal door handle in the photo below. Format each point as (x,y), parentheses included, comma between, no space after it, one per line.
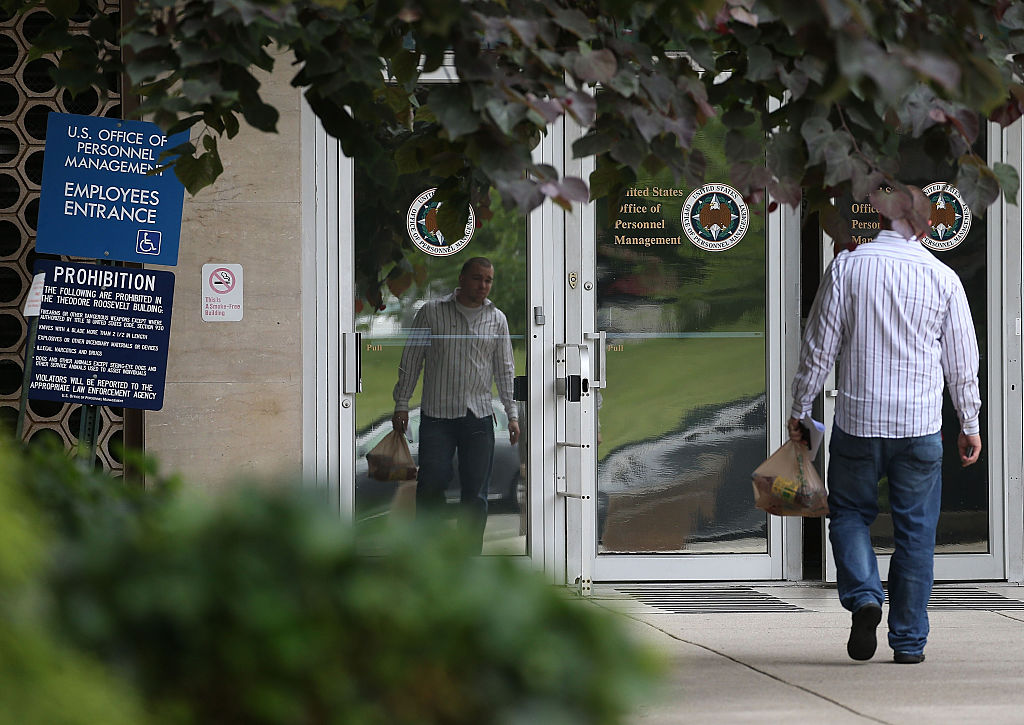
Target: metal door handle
(600,339)
(352,363)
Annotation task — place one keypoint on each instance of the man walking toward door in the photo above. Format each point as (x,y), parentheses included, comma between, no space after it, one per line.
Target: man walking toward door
(462,344)
(898,320)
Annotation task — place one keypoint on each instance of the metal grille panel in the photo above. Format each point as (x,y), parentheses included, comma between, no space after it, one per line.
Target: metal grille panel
(708,600)
(971,598)
(27,96)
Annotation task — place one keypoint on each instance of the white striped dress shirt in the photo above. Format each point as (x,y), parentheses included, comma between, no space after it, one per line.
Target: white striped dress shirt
(898,320)
(459,359)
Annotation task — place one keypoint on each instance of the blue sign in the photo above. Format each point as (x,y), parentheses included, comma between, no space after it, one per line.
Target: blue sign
(98,198)
(102,335)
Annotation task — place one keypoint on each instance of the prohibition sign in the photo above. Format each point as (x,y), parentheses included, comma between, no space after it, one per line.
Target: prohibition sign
(222,280)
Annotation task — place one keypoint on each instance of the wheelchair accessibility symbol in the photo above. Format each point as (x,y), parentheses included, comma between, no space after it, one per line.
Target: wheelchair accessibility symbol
(147,242)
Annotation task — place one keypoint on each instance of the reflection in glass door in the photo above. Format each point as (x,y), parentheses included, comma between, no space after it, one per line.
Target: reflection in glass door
(683,420)
(384,211)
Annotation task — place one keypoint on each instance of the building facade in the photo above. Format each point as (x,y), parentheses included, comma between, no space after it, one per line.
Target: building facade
(654,336)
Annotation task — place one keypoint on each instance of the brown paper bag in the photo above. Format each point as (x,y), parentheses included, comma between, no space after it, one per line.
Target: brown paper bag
(788,485)
(390,460)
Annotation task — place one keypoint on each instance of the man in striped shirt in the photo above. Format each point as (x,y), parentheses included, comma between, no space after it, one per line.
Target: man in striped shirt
(462,344)
(898,320)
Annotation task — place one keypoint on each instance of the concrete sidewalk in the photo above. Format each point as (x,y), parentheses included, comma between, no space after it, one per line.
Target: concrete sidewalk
(770,665)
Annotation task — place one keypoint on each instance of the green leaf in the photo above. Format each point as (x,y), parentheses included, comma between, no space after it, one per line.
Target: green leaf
(915,112)
(593,144)
(598,66)
(452,216)
(938,67)
(196,173)
(62,8)
(815,132)
(260,115)
(1009,181)
(795,82)
(452,106)
(760,64)
(625,83)
(814,67)
(582,107)
(628,151)
(865,181)
(504,114)
(199,91)
(895,204)
(606,178)
(574,21)
(838,161)
(740,146)
(447,164)
(834,224)
(647,123)
(404,69)
(785,156)
(738,117)
(978,184)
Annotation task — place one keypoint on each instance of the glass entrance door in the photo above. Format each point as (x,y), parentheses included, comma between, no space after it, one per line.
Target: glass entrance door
(402,301)
(969,538)
(378,264)
(689,299)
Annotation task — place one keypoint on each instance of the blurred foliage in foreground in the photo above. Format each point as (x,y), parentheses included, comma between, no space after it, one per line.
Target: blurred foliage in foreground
(42,681)
(261,607)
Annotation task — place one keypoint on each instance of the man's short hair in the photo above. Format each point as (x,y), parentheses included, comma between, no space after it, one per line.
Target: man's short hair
(476,261)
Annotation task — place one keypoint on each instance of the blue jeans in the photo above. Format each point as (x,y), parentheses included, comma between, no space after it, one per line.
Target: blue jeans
(914,468)
(473,438)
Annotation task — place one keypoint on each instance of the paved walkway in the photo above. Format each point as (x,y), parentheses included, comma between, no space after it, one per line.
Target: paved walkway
(767,665)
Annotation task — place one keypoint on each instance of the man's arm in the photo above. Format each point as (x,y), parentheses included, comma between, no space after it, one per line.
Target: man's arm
(822,338)
(959,358)
(504,368)
(409,368)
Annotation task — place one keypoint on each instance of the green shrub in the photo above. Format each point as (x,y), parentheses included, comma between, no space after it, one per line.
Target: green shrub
(42,681)
(76,497)
(262,608)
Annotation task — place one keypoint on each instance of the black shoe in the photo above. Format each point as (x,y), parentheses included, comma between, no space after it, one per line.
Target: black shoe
(905,658)
(862,642)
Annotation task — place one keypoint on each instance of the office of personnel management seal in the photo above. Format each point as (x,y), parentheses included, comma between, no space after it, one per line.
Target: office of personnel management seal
(715,217)
(950,218)
(421,224)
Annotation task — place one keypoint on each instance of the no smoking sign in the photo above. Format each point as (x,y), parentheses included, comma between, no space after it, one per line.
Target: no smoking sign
(222,292)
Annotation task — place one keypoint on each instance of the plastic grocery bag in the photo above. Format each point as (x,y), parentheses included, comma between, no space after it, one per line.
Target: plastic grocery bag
(788,485)
(390,460)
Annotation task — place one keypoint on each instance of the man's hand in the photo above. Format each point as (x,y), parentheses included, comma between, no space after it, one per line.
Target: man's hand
(969,447)
(513,431)
(798,433)
(400,420)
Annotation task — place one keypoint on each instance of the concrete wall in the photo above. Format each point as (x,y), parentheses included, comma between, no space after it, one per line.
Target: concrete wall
(232,403)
